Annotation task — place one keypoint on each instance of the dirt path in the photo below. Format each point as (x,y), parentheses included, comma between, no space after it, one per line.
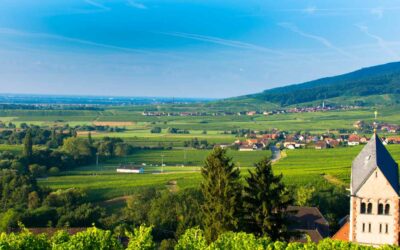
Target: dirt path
(333,180)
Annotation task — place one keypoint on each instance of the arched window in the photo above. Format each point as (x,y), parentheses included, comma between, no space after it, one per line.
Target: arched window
(369,208)
(380,208)
(387,209)
(363,208)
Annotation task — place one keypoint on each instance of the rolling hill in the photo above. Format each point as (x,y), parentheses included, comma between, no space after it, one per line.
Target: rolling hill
(358,87)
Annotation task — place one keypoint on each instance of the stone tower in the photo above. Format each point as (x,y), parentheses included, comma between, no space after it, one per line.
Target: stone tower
(374,202)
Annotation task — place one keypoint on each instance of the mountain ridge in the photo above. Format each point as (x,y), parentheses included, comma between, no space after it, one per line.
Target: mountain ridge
(375,80)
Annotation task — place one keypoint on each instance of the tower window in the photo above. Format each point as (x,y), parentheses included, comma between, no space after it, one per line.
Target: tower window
(387,209)
(363,227)
(369,227)
(387,229)
(362,208)
(380,228)
(369,208)
(380,208)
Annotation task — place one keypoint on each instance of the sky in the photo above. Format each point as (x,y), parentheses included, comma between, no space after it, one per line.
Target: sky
(188,48)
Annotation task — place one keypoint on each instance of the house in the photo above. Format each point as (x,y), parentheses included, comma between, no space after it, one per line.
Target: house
(374,198)
(321,145)
(289,142)
(251,113)
(290,146)
(223,146)
(359,124)
(246,147)
(308,221)
(270,136)
(252,141)
(364,140)
(332,143)
(393,140)
(354,140)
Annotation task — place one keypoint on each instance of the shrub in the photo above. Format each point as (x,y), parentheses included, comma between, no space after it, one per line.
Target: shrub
(192,239)
(141,239)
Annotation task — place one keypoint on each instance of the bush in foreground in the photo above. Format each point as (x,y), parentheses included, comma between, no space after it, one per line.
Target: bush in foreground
(141,239)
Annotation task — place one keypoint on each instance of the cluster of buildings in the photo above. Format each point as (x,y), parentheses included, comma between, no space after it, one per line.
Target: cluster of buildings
(383,127)
(323,107)
(298,141)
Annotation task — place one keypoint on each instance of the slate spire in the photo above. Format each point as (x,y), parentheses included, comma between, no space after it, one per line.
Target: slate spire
(374,155)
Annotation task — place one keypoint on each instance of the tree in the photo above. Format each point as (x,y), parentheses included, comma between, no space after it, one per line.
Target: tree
(90,139)
(304,195)
(28,144)
(156,130)
(79,149)
(265,203)
(221,189)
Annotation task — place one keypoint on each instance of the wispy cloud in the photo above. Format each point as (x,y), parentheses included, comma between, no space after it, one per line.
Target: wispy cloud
(319,39)
(310,10)
(97,5)
(14,32)
(377,12)
(220,41)
(381,42)
(136,5)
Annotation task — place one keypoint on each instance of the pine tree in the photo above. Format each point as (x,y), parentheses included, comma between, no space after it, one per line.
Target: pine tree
(265,202)
(90,138)
(222,190)
(28,144)
(53,141)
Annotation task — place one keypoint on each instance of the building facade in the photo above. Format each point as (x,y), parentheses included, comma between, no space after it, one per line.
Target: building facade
(374,202)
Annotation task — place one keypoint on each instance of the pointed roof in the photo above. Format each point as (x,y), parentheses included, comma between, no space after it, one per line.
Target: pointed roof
(374,155)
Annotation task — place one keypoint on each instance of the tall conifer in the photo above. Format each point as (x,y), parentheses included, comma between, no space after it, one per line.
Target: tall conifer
(28,144)
(265,202)
(222,190)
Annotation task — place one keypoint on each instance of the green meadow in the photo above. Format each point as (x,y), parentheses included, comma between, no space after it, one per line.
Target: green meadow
(299,167)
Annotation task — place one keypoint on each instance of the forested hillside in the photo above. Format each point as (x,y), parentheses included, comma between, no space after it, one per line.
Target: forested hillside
(377,80)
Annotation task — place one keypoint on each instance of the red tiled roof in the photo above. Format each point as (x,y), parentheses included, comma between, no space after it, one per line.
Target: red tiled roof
(343,233)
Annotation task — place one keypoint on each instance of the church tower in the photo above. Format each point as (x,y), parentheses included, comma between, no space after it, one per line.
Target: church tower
(374,202)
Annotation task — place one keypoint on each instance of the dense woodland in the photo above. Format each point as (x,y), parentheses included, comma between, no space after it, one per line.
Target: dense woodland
(225,202)
(378,80)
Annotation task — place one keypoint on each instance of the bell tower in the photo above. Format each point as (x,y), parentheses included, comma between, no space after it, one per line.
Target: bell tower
(374,202)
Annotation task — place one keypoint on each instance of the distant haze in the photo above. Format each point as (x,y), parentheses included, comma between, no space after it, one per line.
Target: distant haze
(198,48)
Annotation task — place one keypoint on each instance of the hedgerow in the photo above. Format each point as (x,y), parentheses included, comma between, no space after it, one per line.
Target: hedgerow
(141,239)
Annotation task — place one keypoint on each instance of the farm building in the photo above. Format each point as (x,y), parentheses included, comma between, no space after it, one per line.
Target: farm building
(130,170)
(309,222)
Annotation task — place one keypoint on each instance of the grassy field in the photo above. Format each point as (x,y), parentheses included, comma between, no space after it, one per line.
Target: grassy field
(11,148)
(103,182)
(314,122)
(306,165)
(299,167)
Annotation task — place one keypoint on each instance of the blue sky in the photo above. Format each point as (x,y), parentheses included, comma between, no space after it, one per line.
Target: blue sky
(186,48)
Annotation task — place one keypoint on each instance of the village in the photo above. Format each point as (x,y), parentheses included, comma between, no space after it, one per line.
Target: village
(283,140)
(319,108)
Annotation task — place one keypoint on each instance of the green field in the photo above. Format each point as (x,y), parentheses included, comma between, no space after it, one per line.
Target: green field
(300,167)
(11,148)
(314,122)
(103,182)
